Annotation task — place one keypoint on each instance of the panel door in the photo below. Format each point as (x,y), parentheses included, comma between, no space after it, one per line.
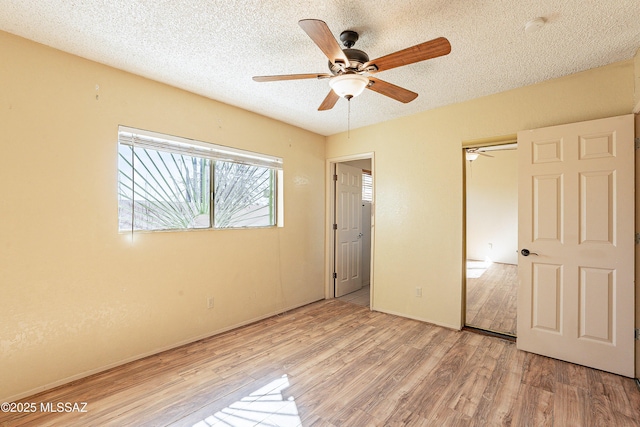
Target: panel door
(576,217)
(349,229)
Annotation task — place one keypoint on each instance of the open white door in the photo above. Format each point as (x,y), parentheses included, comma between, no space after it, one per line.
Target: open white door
(576,218)
(348,277)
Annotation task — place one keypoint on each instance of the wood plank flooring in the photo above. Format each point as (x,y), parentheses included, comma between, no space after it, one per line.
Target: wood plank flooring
(492,298)
(334,363)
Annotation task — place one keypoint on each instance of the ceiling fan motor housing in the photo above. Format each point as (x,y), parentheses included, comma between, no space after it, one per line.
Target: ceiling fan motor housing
(356,58)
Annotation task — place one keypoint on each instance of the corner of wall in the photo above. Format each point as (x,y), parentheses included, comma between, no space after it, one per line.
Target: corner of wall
(636,80)
(637,256)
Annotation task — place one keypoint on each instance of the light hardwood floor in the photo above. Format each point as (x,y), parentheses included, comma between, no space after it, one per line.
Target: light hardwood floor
(338,364)
(492,298)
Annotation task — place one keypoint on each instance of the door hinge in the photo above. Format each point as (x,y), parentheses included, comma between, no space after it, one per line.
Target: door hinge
(636,143)
(636,334)
(335,227)
(335,276)
(335,177)
(637,238)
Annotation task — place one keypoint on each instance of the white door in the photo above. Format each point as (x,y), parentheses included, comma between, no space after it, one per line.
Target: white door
(576,217)
(348,229)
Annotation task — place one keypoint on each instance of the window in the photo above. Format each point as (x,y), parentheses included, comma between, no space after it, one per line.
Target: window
(367,186)
(171,183)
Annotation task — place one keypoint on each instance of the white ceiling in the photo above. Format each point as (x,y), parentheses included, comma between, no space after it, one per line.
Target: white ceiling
(214,47)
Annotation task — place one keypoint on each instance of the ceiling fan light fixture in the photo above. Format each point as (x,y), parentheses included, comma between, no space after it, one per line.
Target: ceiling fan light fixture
(471,155)
(348,85)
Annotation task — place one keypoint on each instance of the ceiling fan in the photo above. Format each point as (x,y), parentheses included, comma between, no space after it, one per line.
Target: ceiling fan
(351,70)
(473,153)
(480,151)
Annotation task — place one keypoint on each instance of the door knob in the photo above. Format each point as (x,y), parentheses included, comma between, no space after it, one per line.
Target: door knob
(527,252)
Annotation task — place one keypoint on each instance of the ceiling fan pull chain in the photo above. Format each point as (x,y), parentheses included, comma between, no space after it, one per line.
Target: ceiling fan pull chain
(349,118)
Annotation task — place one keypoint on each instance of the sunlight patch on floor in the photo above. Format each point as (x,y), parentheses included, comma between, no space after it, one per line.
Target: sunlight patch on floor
(476,269)
(264,407)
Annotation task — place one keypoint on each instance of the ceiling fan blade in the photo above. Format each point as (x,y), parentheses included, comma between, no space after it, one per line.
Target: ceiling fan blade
(391,90)
(420,52)
(321,36)
(329,101)
(479,151)
(500,147)
(290,77)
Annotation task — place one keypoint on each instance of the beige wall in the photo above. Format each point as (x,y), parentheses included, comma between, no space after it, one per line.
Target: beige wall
(418,213)
(492,207)
(77,296)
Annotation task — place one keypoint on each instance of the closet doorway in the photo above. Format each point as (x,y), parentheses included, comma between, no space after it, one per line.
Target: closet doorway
(491,200)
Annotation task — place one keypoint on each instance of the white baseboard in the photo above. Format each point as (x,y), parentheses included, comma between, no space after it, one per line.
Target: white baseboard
(90,372)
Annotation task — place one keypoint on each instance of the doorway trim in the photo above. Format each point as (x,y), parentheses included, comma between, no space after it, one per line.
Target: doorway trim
(474,143)
(329,213)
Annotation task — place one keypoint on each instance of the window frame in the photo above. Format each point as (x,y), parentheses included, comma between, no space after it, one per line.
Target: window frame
(162,143)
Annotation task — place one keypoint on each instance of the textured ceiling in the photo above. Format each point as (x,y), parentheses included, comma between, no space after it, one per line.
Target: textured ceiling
(214,47)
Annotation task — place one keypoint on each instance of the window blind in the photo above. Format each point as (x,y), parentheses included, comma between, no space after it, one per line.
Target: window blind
(190,147)
(367,186)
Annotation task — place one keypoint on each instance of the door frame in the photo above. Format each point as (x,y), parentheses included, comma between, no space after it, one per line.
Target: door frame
(475,143)
(330,197)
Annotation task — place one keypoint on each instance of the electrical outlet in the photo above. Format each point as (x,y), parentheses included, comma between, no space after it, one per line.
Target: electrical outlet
(419,292)
(209,302)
